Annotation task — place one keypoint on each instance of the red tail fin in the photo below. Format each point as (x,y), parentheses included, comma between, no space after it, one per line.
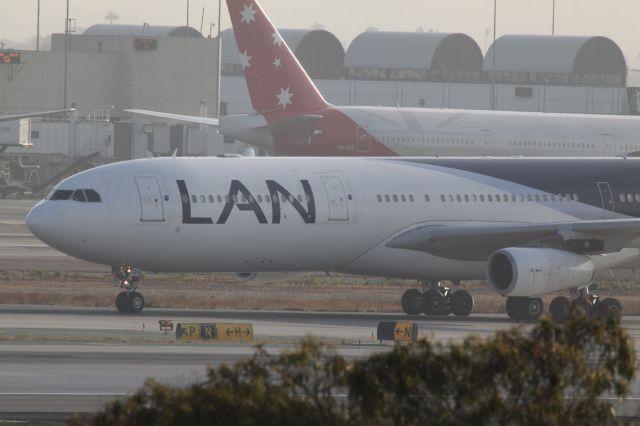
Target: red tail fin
(278,85)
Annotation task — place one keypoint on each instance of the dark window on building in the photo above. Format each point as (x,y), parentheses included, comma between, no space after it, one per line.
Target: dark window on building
(524,92)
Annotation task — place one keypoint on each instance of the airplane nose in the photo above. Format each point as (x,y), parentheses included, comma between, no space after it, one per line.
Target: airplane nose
(42,220)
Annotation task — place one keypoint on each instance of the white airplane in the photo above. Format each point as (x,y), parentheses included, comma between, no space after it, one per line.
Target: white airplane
(528,226)
(292,118)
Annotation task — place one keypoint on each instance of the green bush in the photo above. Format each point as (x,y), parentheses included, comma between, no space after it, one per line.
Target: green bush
(551,374)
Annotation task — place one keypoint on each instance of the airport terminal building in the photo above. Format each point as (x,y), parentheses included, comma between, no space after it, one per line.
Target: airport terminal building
(111,68)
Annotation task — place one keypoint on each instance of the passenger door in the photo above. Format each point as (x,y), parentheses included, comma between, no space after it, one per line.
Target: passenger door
(338,207)
(608,205)
(609,142)
(363,142)
(151,206)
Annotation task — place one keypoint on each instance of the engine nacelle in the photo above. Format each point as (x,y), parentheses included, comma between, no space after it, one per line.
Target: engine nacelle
(531,272)
(266,277)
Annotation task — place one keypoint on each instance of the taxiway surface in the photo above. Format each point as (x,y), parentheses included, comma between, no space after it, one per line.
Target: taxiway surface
(69,374)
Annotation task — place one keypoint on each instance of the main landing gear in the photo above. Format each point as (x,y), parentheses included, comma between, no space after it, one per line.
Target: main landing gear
(436,299)
(584,303)
(581,302)
(129,300)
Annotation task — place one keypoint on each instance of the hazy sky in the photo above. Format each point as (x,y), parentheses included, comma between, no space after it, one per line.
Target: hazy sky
(618,19)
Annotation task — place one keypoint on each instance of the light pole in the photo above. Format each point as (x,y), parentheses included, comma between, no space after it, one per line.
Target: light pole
(187,13)
(38,29)
(66,56)
(553,18)
(219,58)
(493,70)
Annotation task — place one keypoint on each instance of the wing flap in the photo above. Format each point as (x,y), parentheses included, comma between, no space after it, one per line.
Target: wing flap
(476,242)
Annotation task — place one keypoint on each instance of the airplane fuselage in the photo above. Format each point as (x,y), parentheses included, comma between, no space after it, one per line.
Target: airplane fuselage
(319,214)
(378,131)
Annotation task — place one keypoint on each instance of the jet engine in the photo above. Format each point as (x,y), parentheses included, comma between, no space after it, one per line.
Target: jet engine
(266,277)
(531,272)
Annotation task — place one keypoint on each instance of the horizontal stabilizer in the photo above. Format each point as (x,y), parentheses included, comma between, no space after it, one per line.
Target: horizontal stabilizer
(299,126)
(189,119)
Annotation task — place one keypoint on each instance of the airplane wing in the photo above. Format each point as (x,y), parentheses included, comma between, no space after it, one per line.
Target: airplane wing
(190,119)
(34,115)
(476,242)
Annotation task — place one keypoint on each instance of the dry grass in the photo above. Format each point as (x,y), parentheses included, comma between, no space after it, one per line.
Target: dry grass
(215,291)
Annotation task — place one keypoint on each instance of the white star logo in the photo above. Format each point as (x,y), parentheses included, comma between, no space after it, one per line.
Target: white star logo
(277,39)
(277,63)
(245,60)
(284,98)
(248,14)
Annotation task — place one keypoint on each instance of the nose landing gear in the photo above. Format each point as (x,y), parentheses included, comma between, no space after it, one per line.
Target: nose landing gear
(436,299)
(129,300)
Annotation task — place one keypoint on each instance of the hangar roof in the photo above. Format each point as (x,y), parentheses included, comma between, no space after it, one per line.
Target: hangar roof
(445,51)
(556,54)
(142,30)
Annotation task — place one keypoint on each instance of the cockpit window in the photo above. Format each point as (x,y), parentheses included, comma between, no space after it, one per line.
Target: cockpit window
(78,195)
(92,196)
(61,194)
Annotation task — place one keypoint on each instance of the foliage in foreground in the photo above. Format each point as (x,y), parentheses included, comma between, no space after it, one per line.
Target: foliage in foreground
(551,374)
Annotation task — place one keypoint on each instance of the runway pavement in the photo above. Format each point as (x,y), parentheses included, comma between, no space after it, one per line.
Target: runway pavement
(70,374)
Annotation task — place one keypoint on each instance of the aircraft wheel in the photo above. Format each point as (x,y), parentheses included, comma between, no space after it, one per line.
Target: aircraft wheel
(610,307)
(433,303)
(121,301)
(532,308)
(135,303)
(560,309)
(513,307)
(461,303)
(411,302)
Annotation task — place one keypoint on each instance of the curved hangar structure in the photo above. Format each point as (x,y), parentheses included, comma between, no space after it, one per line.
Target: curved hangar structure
(414,56)
(562,60)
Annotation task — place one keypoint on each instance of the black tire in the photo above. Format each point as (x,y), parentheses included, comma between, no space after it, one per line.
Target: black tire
(461,303)
(580,307)
(121,302)
(560,309)
(610,307)
(412,302)
(433,303)
(532,308)
(135,303)
(512,307)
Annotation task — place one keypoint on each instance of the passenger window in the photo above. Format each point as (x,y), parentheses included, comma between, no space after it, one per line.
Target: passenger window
(411,197)
(61,194)
(299,198)
(92,196)
(403,198)
(78,195)
(194,199)
(211,199)
(387,198)
(379,198)
(474,197)
(637,198)
(395,198)
(482,198)
(630,198)
(489,197)
(576,198)
(442,198)
(267,198)
(259,198)
(466,198)
(458,198)
(203,199)
(529,197)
